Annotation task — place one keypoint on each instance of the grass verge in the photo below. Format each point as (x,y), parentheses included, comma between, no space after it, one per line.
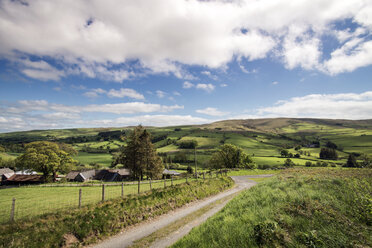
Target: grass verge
(93,222)
(316,207)
(168,230)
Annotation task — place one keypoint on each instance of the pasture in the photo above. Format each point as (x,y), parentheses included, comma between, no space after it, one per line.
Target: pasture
(37,200)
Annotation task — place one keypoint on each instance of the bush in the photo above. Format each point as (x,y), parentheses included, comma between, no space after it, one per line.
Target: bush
(308,164)
(288,163)
(188,144)
(328,153)
(190,170)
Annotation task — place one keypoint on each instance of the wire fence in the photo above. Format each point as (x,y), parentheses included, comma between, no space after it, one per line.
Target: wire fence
(29,201)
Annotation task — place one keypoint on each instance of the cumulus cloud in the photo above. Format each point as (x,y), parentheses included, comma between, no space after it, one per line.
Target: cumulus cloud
(105,38)
(125,93)
(275,83)
(187,85)
(112,93)
(160,94)
(206,87)
(41,114)
(335,106)
(211,111)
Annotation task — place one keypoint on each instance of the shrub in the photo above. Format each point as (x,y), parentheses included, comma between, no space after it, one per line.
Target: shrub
(308,164)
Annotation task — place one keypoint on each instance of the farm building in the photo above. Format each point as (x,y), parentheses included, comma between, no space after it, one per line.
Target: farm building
(113,175)
(5,173)
(170,173)
(81,176)
(24,179)
(102,175)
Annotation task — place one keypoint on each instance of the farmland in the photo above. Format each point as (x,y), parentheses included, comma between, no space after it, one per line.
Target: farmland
(263,139)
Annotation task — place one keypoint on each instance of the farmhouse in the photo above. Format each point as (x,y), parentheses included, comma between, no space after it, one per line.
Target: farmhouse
(102,175)
(81,176)
(5,173)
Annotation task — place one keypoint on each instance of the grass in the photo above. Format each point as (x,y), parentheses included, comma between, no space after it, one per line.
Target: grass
(320,207)
(99,158)
(251,172)
(35,200)
(96,221)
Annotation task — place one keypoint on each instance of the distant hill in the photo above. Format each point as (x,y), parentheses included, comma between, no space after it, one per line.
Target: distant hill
(262,138)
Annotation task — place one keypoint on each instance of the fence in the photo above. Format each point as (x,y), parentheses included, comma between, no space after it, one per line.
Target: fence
(30,201)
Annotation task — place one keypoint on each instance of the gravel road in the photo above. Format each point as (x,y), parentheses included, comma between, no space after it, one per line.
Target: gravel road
(127,237)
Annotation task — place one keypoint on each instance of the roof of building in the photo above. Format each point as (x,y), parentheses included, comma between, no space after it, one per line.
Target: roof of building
(26,178)
(72,174)
(5,171)
(170,172)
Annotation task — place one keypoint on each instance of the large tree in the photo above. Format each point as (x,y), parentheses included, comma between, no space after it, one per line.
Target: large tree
(230,156)
(140,155)
(45,157)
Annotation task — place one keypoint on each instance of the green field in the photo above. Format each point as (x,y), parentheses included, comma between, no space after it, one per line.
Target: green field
(320,207)
(99,158)
(36,200)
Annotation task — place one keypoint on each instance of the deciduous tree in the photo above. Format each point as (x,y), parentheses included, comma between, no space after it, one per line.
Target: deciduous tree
(230,156)
(45,157)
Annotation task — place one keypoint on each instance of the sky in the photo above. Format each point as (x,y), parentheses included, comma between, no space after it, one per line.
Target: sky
(114,63)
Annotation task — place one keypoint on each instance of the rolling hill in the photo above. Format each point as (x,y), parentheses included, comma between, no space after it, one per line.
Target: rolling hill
(261,138)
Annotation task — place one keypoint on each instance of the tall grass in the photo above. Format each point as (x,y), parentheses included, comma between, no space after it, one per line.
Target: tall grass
(299,208)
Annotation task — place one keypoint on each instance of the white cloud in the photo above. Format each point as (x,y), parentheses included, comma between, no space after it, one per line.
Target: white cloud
(93,93)
(112,93)
(187,85)
(305,53)
(151,120)
(103,38)
(40,70)
(211,111)
(275,83)
(206,87)
(210,75)
(245,70)
(40,114)
(123,92)
(352,55)
(160,94)
(223,85)
(335,106)
(176,93)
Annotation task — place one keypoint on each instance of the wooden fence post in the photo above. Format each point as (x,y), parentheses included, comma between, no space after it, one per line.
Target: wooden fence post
(79,198)
(139,185)
(150,185)
(12,210)
(122,190)
(165,182)
(171,180)
(203,175)
(103,192)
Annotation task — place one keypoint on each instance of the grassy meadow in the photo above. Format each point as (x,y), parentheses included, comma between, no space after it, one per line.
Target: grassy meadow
(310,207)
(37,200)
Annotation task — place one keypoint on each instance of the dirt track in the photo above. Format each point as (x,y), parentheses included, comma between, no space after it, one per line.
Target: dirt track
(144,229)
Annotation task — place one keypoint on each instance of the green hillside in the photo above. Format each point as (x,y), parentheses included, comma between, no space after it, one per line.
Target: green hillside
(263,139)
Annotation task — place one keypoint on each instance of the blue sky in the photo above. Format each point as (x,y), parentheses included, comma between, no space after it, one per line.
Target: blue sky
(116,63)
